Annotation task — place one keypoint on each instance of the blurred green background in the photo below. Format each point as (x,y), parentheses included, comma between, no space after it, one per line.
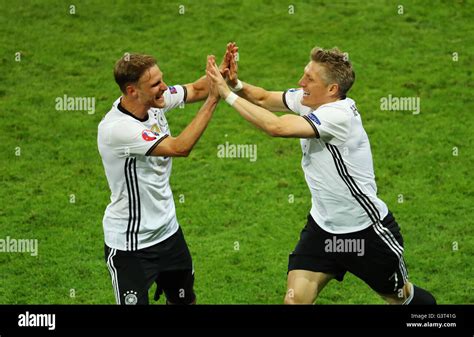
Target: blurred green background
(238,216)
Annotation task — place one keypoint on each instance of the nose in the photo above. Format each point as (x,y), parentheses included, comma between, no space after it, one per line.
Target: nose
(164,86)
(301,83)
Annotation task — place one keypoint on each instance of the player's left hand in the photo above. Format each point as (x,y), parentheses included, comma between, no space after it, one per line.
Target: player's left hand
(231,51)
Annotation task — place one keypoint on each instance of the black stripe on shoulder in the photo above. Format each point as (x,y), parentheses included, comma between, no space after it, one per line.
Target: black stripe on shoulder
(316,132)
(185,93)
(284,100)
(150,150)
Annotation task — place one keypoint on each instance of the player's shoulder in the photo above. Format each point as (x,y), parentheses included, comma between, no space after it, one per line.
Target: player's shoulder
(292,100)
(112,114)
(344,108)
(174,96)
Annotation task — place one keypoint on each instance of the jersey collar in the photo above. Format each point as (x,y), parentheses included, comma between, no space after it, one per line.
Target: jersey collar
(125,111)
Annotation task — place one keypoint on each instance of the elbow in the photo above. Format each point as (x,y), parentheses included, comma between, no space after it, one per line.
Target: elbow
(182,152)
(274,130)
(261,102)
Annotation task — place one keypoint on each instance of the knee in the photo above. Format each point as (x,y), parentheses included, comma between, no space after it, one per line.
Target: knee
(289,300)
(297,297)
(411,295)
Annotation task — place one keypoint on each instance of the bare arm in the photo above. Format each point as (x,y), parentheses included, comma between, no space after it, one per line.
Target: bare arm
(288,125)
(197,91)
(270,100)
(182,145)
(284,126)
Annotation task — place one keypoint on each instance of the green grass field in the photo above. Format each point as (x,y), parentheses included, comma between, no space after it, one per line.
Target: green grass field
(237,216)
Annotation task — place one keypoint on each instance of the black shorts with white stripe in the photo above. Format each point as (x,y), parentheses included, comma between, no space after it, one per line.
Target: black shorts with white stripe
(168,264)
(374,254)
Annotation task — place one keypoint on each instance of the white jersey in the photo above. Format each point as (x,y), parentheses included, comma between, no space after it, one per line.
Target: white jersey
(338,166)
(142,211)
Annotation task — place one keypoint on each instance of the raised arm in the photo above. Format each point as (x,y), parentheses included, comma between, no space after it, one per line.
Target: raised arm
(270,100)
(182,145)
(283,126)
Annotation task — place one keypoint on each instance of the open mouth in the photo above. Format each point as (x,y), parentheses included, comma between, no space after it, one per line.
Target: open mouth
(305,93)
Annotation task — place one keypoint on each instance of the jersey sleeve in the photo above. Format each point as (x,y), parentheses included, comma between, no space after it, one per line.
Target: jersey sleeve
(292,100)
(332,124)
(129,138)
(174,96)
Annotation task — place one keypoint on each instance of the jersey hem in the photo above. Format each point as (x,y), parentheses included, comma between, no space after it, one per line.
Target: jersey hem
(148,244)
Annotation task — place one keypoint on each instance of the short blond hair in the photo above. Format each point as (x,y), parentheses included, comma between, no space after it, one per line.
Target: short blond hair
(130,67)
(338,68)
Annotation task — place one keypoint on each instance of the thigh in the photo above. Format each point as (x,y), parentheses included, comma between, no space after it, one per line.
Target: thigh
(310,252)
(129,279)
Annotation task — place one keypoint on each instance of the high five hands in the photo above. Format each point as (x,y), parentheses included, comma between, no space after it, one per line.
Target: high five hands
(218,86)
(228,66)
(227,71)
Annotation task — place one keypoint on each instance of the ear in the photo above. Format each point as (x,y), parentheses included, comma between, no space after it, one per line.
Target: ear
(334,89)
(131,90)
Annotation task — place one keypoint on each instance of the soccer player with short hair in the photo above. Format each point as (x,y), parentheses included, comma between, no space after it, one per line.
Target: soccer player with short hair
(338,168)
(144,243)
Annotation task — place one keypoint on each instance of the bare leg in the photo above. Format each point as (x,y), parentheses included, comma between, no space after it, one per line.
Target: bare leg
(304,286)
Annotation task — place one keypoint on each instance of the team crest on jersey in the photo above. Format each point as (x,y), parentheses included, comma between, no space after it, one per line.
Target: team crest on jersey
(173,90)
(155,129)
(148,135)
(314,118)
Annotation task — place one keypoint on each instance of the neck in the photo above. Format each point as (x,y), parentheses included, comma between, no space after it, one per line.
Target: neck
(132,105)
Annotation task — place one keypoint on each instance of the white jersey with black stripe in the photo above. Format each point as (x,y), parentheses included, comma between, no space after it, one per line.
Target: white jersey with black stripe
(141,212)
(338,166)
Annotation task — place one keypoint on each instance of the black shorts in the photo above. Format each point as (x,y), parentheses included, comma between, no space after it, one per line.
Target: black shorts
(167,263)
(374,254)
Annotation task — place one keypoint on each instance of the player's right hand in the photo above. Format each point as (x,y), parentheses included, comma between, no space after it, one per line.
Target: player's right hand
(213,90)
(232,77)
(213,73)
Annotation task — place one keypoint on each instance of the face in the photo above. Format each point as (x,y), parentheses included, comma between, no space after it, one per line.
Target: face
(150,88)
(316,92)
